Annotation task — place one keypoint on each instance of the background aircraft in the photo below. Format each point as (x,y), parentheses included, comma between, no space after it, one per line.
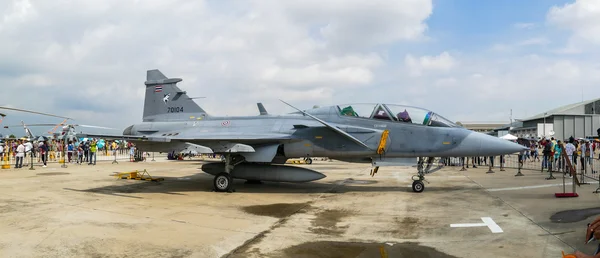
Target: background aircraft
(27,131)
(255,146)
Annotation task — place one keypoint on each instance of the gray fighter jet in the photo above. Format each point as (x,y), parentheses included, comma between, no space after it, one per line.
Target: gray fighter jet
(256,147)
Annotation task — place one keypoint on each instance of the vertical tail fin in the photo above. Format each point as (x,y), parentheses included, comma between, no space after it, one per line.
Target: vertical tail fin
(27,131)
(166,102)
(262,110)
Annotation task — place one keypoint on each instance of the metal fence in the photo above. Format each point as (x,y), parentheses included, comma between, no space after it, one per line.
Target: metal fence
(587,168)
(57,157)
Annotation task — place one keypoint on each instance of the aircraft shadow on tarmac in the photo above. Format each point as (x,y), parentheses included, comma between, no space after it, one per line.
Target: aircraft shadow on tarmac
(202,182)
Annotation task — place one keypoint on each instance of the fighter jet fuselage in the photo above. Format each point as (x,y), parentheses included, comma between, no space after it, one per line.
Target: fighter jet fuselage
(309,138)
(252,146)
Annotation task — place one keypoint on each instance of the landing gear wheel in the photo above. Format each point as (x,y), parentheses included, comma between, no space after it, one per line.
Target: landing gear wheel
(223,182)
(308,161)
(418,186)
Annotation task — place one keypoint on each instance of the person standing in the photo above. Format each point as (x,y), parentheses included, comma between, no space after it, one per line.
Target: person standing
(86,150)
(93,150)
(28,151)
(44,152)
(570,150)
(547,152)
(80,154)
(585,153)
(70,149)
(557,158)
(20,155)
(131,153)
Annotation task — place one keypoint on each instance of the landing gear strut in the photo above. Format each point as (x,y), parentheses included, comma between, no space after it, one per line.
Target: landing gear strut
(418,179)
(223,182)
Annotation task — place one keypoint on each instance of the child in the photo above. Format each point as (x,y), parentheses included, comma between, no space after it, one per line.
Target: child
(80,154)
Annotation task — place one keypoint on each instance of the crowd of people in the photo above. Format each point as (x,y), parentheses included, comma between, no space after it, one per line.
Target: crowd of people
(548,151)
(578,151)
(44,150)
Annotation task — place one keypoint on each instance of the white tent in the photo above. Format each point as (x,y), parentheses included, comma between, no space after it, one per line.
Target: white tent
(509,137)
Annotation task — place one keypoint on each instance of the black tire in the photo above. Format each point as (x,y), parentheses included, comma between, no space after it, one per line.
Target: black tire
(308,161)
(418,186)
(223,182)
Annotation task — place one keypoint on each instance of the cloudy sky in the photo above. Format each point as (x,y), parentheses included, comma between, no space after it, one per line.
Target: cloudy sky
(467,60)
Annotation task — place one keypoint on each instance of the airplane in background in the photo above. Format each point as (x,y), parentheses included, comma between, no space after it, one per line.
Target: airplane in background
(27,131)
(255,147)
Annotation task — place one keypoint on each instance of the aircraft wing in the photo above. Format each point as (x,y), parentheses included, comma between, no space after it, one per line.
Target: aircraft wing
(217,142)
(198,137)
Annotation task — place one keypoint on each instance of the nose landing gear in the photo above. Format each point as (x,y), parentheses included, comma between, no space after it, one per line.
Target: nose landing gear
(417,185)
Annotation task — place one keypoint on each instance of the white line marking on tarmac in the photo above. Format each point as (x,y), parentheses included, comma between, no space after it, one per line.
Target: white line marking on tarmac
(487,222)
(524,187)
(492,225)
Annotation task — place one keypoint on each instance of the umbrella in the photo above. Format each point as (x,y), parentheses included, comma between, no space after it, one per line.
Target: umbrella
(42,138)
(100,144)
(524,142)
(509,137)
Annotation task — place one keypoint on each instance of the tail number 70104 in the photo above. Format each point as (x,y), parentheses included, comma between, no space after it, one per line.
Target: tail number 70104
(174,109)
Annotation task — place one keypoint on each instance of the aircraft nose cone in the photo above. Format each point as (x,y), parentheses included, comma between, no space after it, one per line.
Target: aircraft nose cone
(478,144)
(493,146)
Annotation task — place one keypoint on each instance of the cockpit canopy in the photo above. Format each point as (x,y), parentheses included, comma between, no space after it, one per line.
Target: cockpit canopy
(397,113)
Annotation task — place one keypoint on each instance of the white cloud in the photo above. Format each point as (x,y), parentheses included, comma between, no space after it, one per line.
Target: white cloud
(524,25)
(581,18)
(88,59)
(90,64)
(519,45)
(441,63)
(534,41)
(487,87)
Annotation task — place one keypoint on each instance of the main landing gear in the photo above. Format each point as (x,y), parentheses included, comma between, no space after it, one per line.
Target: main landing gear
(417,185)
(223,182)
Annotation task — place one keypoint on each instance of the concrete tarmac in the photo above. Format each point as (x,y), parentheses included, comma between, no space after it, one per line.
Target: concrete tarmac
(81,211)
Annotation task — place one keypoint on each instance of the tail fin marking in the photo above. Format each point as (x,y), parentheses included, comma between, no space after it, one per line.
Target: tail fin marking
(166,102)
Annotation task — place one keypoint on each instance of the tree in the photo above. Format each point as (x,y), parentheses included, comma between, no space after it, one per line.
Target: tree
(12,136)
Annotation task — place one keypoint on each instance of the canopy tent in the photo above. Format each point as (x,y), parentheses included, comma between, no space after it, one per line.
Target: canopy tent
(509,137)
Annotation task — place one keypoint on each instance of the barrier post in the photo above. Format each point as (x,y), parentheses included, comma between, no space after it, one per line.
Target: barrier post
(31,154)
(573,172)
(583,172)
(550,176)
(153,156)
(597,189)
(519,169)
